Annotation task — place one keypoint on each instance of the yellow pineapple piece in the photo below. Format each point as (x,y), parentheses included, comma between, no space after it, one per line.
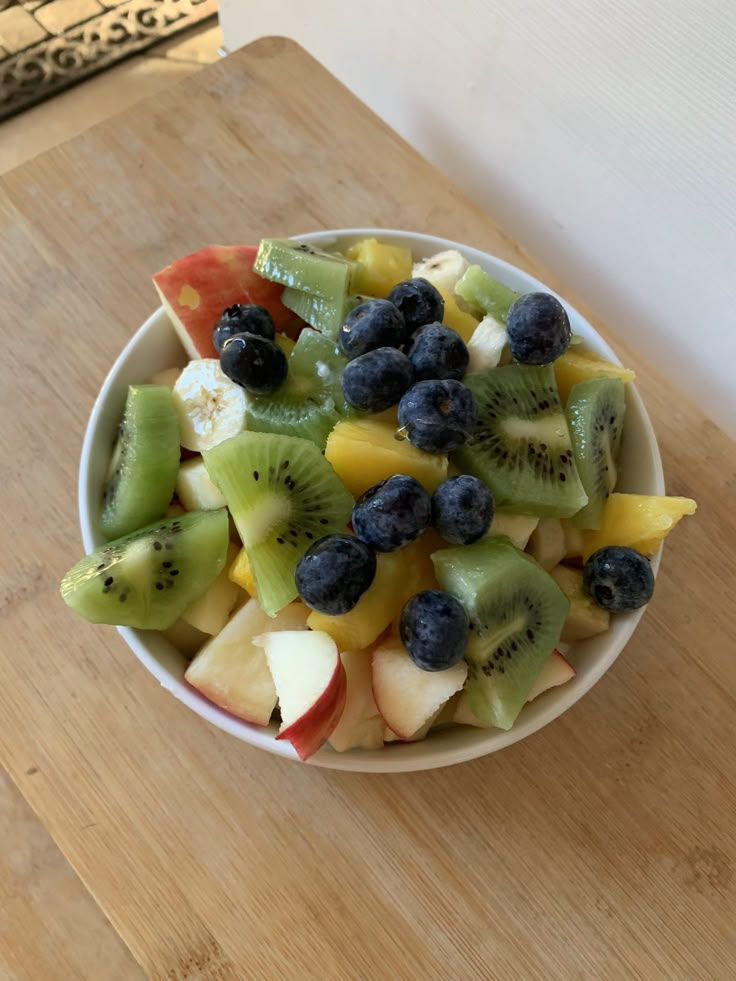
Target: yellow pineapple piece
(373,612)
(584,619)
(390,416)
(640,521)
(285,343)
(573,539)
(417,556)
(379,267)
(240,572)
(363,451)
(461,321)
(576,365)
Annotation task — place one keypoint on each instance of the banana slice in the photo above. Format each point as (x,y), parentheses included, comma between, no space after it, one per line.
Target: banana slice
(486,344)
(443,269)
(211,408)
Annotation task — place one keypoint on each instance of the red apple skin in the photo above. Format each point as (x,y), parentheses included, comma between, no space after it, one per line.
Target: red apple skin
(312,729)
(198,287)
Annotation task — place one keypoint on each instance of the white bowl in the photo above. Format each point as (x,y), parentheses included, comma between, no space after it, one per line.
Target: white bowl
(155,346)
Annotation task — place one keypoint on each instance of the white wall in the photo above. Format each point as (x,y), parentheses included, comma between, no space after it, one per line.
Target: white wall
(601,134)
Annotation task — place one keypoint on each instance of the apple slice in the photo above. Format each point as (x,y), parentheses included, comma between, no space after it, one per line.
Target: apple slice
(361,724)
(198,287)
(233,672)
(407,697)
(310,683)
(556,671)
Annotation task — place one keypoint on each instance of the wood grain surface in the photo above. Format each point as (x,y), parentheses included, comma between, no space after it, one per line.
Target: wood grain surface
(51,929)
(602,847)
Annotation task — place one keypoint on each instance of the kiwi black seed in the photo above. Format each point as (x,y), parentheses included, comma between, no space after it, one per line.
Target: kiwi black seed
(595,414)
(521,446)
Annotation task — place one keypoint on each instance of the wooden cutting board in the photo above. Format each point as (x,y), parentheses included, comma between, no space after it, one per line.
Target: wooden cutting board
(602,847)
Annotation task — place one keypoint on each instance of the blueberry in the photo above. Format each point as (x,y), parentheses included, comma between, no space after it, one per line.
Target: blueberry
(618,578)
(373,324)
(334,573)
(462,509)
(253,362)
(438,416)
(375,381)
(538,329)
(419,302)
(437,351)
(392,514)
(243,318)
(434,630)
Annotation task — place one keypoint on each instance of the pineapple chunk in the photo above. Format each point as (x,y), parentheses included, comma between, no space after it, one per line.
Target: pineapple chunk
(363,451)
(210,612)
(185,638)
(379,267)
(640,521)
(460,321)
(374,611)
(517,527)
(573,540)
(547,543)
(240,573)
(286,344)
(584,618)
(419,568)
(194,488)
(576,365)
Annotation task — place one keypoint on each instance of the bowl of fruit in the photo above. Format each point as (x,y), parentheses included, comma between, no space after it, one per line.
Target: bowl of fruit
(370,499)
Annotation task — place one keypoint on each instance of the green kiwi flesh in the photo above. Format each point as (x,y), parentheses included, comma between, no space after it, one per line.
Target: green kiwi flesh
(310,401)
(303,267)
(521,446)
(516,612)
(484,294)
(283,496)
(148,579)
(595,414)
(145,462)
(324,315)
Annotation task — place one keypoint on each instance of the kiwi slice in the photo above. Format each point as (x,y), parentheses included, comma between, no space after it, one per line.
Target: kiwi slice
(283,496)
(307,403)
(485,294)
(144,463)
(147,579)
(516,613)
(595,414)
(324,315)
(521,445)
(302,267)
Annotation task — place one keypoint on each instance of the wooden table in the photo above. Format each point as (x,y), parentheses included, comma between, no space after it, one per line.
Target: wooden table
(602,847)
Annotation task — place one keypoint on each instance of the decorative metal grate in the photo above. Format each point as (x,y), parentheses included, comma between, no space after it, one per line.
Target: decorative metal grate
(47,46)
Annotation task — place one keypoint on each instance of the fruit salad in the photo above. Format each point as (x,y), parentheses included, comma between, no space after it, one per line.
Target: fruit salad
(380,498)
